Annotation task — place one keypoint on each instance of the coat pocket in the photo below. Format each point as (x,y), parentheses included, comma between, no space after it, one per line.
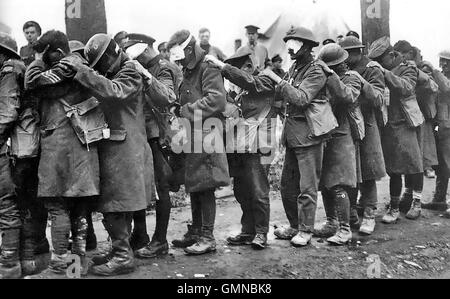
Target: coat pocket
(412,112)
(320,117)
(25,138)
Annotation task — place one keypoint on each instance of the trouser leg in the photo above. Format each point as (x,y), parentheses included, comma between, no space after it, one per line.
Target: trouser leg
(60,224)
(118,225)
(259,191)
(342,203)
(163,172)
(329,205)
(290,187)
(353,195)
(140,235)
(79,214)
(208,209)
(309,162)
(10,225)
(395,188)
(243,196)
(196,210)
(369,194)
(441,187)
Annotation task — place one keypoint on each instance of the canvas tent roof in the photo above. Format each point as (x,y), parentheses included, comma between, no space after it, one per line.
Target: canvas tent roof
(5,28)
(322,23)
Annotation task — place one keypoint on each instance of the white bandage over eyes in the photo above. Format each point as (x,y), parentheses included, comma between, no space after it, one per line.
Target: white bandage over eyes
(177,52)
(294,45)
(136,50)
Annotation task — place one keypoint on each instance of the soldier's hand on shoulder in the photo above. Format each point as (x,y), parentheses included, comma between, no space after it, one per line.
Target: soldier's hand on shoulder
(269,73)
(427,65)
(142,70)
(215,61)
(73,62)
(376,64)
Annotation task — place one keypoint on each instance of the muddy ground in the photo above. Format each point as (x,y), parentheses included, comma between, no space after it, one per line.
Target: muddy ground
(410,249)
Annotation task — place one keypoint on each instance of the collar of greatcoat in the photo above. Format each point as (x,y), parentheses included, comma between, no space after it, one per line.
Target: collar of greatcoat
(199,54)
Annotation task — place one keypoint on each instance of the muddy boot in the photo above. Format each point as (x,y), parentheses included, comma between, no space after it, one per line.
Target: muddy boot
(102,258)
(405,202)
(120,263)
(391,216)
(10,267)
(439,202)
(29,267)
(393,213)
(368,223)
(59,263)
(342,237)
(153,250)
(242,239)
(189,239)
(328,230)
(302,239)
(415,211)
(122,259)
(260,242)
(285,233)
(205,245)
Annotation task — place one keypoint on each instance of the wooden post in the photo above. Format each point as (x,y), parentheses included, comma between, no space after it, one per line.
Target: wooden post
(84,18)
(375,20)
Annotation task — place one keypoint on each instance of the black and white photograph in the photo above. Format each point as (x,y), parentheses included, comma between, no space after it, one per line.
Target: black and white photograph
(224,146)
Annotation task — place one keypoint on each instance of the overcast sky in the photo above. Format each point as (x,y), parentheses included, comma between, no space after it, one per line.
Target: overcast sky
(424,23)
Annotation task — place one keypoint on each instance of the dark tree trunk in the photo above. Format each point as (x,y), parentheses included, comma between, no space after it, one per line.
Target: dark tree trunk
(375,20)
(84,18)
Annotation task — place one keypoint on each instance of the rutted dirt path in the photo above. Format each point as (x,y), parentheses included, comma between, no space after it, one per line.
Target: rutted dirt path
(411,249)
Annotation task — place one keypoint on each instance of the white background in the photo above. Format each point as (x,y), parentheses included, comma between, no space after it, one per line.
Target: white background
(425,24)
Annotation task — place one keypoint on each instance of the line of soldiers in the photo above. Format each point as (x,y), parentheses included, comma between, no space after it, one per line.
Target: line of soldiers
(88,131)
